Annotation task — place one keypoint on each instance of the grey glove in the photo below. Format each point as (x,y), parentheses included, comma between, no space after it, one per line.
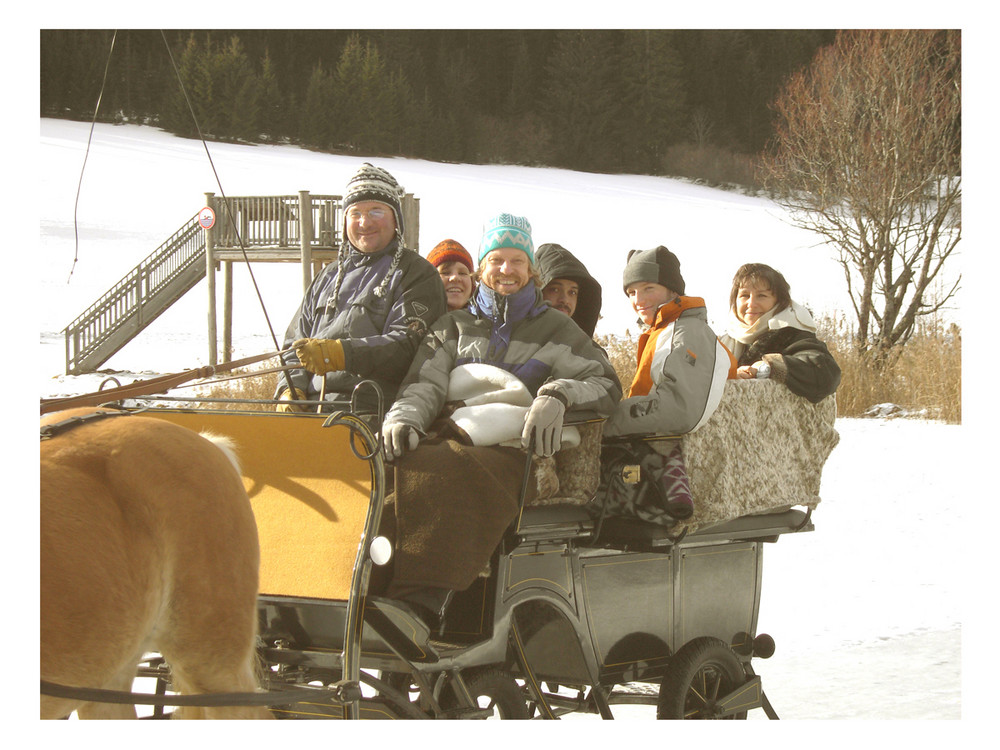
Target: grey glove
(398,438)
(545,422)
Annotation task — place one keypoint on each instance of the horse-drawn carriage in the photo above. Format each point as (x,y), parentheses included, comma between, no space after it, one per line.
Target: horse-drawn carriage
(581,609)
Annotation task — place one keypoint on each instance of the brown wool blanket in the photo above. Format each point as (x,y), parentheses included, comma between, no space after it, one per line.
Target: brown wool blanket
(762,451)
(449,509)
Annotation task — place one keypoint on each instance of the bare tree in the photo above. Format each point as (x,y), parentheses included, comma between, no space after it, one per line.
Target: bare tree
(867,153)
(700,128)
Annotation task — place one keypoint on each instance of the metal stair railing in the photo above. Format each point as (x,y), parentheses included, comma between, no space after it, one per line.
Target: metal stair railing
(137,300)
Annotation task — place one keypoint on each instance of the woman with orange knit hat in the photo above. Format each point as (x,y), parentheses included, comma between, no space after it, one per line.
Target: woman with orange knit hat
(454,263)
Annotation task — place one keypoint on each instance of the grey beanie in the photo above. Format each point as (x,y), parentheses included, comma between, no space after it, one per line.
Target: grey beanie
(658,265)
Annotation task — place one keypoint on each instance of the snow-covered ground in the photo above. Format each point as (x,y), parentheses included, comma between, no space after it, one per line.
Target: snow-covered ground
(869,612)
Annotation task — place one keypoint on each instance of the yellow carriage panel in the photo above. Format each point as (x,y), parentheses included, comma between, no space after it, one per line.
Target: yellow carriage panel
(309,491)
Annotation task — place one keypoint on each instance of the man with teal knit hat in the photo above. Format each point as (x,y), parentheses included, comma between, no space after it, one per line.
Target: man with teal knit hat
(516,367)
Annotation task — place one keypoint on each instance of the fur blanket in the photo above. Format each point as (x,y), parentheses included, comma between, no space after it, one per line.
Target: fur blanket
(572,475)
(762,451)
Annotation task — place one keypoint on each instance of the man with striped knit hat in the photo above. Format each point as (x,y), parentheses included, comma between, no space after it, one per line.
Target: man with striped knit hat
(364,316)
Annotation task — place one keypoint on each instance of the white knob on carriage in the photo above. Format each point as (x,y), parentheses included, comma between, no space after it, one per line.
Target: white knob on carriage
(380,550)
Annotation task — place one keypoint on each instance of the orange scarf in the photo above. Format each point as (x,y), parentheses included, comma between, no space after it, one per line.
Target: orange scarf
(642,383)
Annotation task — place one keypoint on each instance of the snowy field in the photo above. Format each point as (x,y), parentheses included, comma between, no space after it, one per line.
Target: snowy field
(869,612)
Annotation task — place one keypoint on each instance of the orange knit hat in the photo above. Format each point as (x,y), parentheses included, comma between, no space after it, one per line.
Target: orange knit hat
(448,251)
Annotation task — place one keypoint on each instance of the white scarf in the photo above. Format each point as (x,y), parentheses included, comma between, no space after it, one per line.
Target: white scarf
(793,316)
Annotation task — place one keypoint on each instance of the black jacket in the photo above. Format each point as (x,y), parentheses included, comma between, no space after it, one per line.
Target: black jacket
(798,359)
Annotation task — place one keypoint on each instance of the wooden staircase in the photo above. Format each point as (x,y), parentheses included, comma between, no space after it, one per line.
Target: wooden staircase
(137,300)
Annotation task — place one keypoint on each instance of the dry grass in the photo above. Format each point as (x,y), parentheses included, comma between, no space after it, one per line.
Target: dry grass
(248,386)
(621,352)
(925,380)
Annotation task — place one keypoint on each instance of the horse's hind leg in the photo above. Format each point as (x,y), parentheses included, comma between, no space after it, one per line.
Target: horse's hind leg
(217,674)
(209,641)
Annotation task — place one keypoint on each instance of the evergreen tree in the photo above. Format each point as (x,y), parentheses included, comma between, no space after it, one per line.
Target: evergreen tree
(652,104)
(315,127)
(581,102)
(237,101)
(272,107)
(363,98)
(194,88)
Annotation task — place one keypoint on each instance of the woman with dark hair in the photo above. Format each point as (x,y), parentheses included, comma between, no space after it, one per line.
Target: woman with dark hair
(772,336)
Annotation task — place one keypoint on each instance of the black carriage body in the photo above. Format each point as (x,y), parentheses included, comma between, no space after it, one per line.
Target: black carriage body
(633,609)
(559,606)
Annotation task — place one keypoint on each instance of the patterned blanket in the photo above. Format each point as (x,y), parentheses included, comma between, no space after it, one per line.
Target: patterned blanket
(762,451)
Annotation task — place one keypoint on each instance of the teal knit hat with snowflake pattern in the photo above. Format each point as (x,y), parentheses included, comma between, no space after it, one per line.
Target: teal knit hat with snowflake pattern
(507,230)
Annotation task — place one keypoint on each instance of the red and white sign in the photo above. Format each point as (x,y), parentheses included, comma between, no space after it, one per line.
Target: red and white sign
(206,217)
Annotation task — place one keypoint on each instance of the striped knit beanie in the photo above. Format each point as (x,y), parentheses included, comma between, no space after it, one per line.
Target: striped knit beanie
(450,251)
(658,265)
(506,230)
(371,183)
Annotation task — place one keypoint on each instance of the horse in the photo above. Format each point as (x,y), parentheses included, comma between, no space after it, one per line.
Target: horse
(148,544)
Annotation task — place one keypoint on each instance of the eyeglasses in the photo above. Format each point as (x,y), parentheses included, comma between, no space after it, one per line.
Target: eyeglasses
(375,214)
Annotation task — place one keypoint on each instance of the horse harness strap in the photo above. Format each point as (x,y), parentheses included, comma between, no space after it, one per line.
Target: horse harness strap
(49,431)
(343,691)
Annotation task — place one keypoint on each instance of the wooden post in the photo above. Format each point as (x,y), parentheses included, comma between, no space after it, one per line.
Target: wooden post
(213,342)
(305,237)
(227,311)
(411,222)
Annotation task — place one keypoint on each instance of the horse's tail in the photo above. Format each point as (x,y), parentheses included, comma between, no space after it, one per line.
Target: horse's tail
(227,446)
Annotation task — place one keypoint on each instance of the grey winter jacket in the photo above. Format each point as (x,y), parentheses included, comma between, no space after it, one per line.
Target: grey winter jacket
(521,334)
(680,375)
(380,333)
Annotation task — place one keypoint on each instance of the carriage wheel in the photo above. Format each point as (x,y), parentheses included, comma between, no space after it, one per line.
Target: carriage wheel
(493,689)
(703,671)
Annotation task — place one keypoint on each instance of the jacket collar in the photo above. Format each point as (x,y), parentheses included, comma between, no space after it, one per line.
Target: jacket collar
(510,308)
(671,311)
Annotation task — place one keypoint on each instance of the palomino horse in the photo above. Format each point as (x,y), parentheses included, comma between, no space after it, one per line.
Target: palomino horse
(148,544)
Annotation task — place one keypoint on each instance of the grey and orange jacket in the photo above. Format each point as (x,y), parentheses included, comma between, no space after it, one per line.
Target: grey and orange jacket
(681,372)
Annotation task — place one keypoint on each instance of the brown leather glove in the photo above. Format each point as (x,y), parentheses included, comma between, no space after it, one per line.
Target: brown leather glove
(320,356)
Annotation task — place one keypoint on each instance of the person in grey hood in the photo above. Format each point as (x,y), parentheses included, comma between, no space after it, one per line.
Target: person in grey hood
(568,286)
(363,317)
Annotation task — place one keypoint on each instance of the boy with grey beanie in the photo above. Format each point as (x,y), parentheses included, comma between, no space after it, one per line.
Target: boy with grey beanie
(681,371)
